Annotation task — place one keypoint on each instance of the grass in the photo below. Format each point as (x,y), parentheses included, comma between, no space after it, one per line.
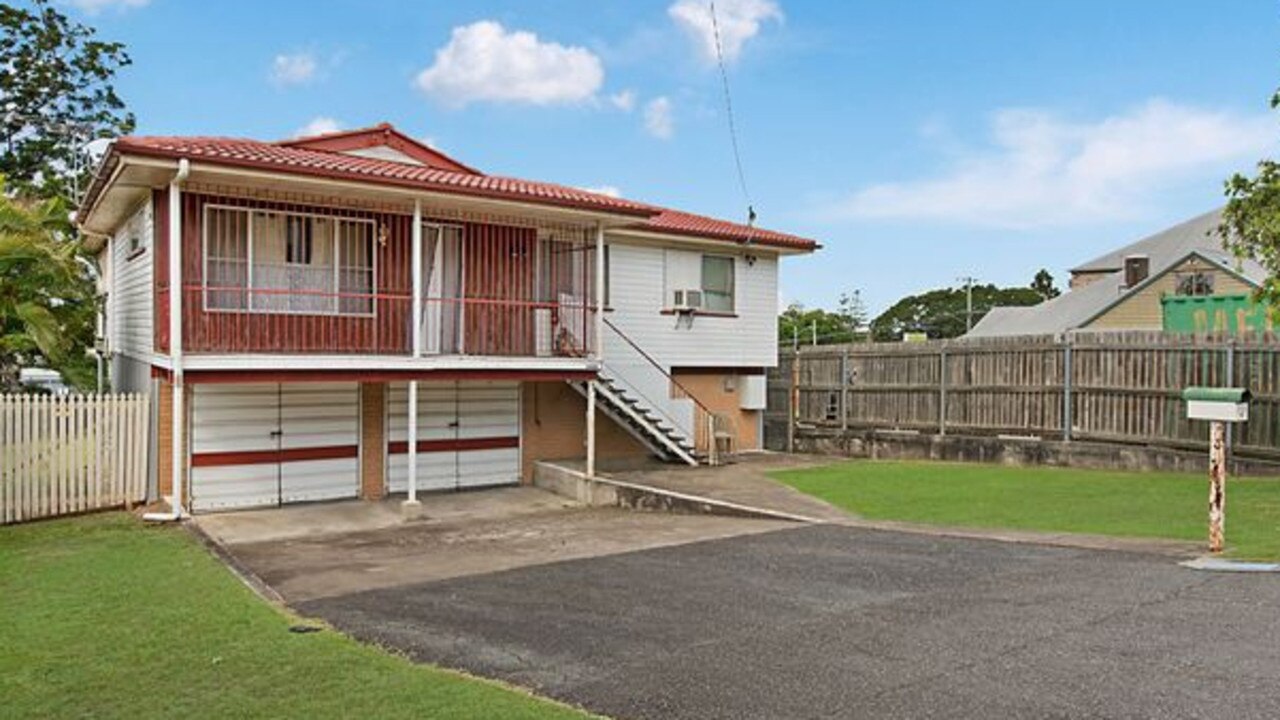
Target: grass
(103,617)
(1159,505)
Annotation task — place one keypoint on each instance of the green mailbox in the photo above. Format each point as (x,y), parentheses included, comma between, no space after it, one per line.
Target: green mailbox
(1220,404)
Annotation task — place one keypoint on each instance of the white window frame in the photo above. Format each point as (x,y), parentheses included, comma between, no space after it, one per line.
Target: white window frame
(249,309)
(733,282)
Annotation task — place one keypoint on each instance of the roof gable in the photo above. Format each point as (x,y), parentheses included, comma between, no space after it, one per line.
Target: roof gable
(383,142)
(1082,306)
(1164,247)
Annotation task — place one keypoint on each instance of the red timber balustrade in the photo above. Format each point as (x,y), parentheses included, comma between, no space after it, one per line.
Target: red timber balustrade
(274,277)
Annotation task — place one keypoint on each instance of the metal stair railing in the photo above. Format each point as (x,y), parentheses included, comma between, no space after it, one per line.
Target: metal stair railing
(702,431)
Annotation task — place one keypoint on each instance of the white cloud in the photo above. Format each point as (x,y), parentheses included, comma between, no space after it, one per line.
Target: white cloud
(738,20)
(657,118)
(624,101)
(93,7)
(610,190)
(293,69)
(1043,170)
(321,125)
(485,62)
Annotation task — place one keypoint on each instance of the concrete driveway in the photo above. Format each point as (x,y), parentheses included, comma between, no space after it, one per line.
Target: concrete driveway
(304,552)
(838,621)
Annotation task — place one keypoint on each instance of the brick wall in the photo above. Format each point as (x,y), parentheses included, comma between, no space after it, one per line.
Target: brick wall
(164,441)
(554,427)
(719,391)
(373,416)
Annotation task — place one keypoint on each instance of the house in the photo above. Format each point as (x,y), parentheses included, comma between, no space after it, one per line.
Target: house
(356,313)
(1183,271)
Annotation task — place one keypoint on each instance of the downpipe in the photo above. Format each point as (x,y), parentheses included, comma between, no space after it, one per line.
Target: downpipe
(178,442)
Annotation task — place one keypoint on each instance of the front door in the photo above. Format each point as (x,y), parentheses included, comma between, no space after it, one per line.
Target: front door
(443,311)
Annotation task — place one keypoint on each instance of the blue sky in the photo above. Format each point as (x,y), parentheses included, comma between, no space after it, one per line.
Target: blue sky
(919,141)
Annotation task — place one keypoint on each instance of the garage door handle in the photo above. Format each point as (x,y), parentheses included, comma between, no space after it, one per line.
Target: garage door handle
(276,433)
(453,424)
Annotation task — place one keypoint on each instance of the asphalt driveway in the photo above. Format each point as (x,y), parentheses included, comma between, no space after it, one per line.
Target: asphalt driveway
(831,621)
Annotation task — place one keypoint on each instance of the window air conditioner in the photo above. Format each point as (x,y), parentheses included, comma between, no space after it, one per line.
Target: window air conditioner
(685,300)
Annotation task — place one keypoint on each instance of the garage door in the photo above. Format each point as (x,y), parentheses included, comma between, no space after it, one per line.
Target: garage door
(468,435)
(257,445)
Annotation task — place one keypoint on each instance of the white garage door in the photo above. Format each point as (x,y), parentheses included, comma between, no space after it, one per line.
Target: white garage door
(257,445)
(468,435)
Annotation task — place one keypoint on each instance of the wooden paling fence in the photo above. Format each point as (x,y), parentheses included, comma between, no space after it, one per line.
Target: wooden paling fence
(71,454)
(1123,387)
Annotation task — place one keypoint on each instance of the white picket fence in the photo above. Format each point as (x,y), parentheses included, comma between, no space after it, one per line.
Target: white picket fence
(71,454)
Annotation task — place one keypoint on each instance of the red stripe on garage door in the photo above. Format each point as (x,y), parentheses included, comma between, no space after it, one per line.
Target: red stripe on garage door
(263,457)
(486,443)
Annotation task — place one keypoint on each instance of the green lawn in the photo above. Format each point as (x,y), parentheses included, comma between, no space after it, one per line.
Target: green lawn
(1051,499)
(101,616)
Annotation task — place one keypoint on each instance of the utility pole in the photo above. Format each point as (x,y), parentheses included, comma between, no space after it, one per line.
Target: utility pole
(815,332)
(968,281)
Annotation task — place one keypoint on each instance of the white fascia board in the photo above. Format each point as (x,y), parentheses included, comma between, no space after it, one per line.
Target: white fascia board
(649,237)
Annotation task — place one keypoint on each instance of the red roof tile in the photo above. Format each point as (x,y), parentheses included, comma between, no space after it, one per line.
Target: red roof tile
(683,223)
(284,157)
(263,155)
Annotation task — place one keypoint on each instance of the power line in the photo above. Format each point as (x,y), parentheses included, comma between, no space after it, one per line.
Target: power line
(733,130)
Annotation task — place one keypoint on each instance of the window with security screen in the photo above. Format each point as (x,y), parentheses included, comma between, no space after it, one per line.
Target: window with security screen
(281,262)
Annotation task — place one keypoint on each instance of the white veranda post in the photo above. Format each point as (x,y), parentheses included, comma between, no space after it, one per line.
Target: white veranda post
(412,499)
(597,345)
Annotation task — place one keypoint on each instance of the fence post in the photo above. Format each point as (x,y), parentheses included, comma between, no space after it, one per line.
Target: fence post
(793,400)
(1066,387)
(942,389)
(1231,382)
(844,391)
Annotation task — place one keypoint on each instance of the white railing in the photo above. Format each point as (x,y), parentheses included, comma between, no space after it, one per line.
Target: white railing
(71,454)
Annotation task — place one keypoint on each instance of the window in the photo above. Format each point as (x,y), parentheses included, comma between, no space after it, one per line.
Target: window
(276,262)
(1193,283)
(298,247)
(717,283)
(705,282)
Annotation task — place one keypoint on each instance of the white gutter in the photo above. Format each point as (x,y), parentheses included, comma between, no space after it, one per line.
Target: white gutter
(178,455)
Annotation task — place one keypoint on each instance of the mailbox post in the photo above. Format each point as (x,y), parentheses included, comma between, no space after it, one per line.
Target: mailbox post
(1219,406)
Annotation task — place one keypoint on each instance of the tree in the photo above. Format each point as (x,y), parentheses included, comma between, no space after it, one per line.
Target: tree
(56,95)
(47,305)
(854,311)
(799,324)
(1250,226)
(942,313)
(1042,283)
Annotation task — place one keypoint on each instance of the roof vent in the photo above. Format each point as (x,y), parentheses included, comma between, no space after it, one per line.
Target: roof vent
(1136,269)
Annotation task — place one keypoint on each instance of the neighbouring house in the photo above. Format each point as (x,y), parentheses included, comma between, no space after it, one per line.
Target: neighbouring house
(1180,279)
(356,313)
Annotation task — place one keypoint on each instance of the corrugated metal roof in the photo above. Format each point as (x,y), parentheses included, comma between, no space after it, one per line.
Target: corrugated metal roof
(1077,307)
(1166,247)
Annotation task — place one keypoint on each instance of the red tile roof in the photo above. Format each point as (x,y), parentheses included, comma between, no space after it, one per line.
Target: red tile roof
(683,223)
(381,134)
(283,157)
(264,155)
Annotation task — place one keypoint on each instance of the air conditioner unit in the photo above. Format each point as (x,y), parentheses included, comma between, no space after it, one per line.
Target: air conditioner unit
(686,300)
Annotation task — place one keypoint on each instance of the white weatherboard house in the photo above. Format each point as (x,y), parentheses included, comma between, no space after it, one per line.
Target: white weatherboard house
(356,313)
